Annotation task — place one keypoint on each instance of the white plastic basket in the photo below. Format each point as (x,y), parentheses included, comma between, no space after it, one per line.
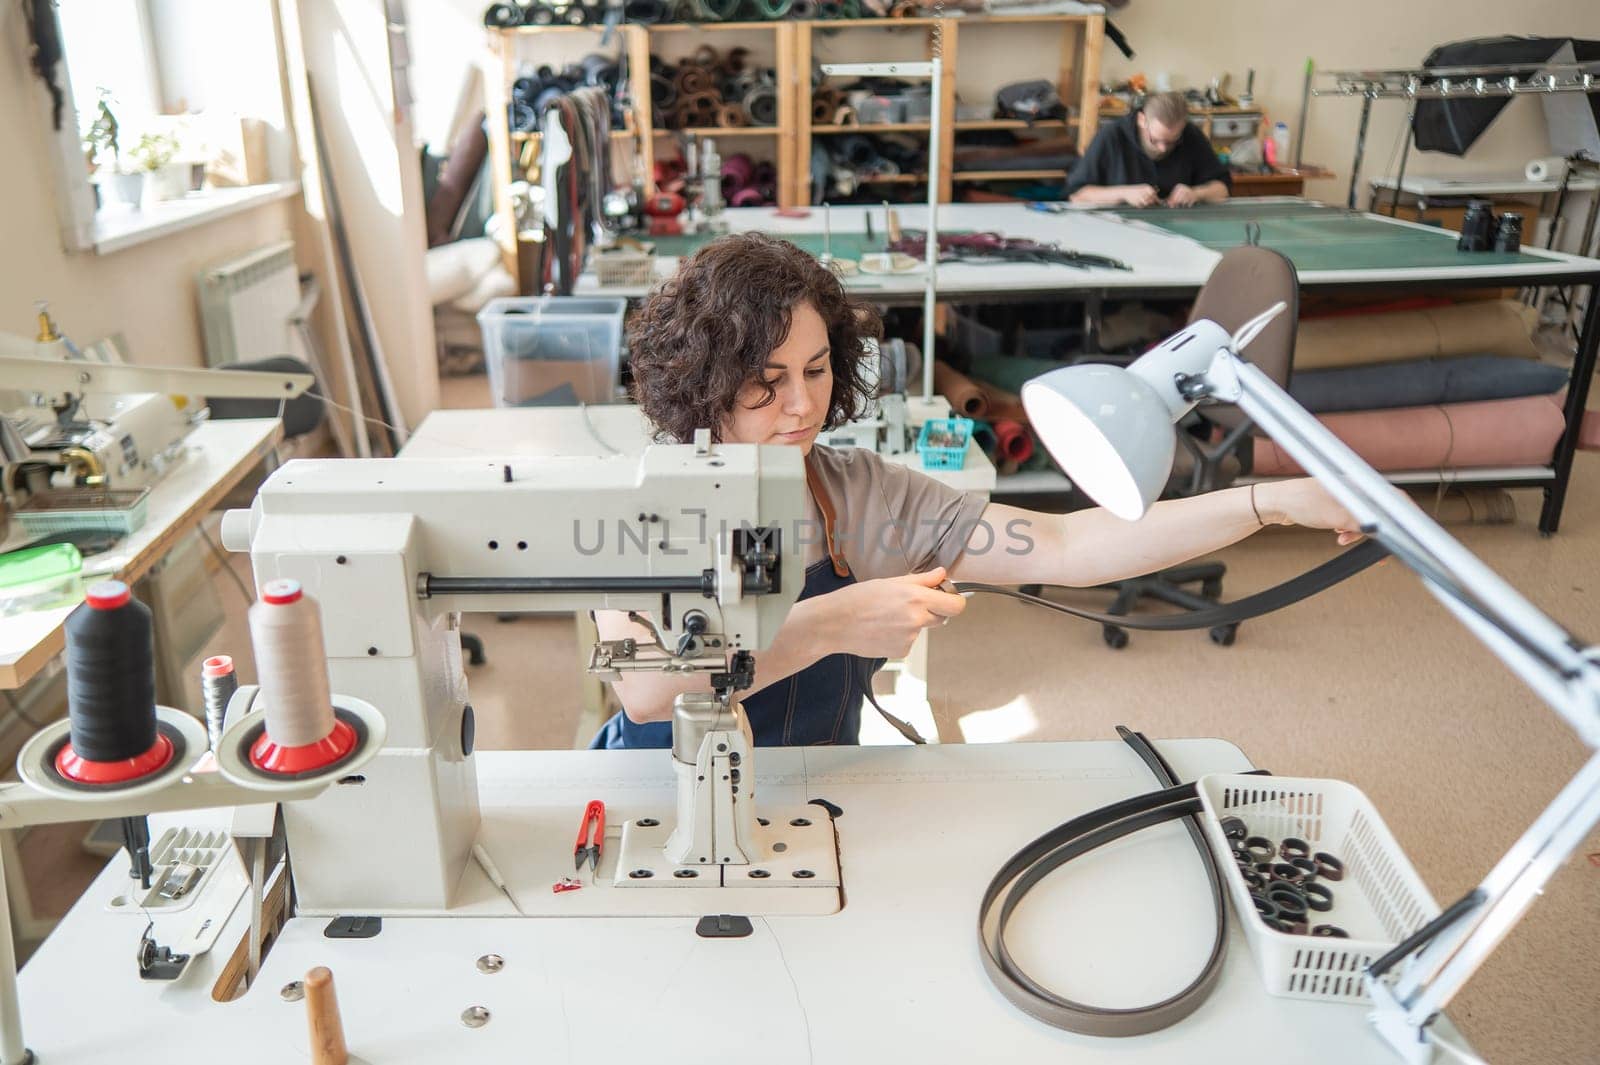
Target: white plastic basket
(1380,901)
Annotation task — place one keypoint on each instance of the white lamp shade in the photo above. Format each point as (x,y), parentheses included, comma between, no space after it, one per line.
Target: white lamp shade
(1109,431)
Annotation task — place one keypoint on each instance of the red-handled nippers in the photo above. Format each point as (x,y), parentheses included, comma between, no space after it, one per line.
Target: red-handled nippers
(591,836)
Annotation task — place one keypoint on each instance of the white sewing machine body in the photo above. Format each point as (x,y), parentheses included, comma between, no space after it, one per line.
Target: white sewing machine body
(395,550)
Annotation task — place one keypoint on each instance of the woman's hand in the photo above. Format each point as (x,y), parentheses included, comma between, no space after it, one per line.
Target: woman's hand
(881,618)
(1303,501)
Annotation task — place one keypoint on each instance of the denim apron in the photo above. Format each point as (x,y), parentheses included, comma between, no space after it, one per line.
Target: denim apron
(821,704)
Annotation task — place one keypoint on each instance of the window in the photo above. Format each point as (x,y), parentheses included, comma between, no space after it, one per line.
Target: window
(180,115)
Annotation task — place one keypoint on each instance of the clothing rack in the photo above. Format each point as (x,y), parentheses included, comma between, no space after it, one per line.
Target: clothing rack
(1447,83)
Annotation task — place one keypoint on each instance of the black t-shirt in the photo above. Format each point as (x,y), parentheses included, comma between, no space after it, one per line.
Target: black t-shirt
(1117,158)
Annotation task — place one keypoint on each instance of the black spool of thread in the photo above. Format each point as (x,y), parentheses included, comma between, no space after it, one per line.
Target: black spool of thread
(111,675)
(1477,227)
(1508,236)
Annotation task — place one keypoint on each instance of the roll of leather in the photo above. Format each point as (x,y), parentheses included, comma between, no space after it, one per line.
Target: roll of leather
(985,440)
(845,115)
(803,9)
(663,91)
(750,197)
(965,396)
(1423,382)
(598,70)
(738,169)
(1014,440)
(1589,432)
(1485,327)
(858,152)
(1501,432)
(762,106)
(1467,506)
(735,62)
(504,16)
(732,116)
(765,174)
(1545,168)
(645,12)
(539,15)
(821,110)
(705,56)
(692,80)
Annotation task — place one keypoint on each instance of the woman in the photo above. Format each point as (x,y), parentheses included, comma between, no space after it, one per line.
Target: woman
(756,340)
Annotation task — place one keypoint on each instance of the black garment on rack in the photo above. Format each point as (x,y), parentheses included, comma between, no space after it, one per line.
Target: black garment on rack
(1453,126)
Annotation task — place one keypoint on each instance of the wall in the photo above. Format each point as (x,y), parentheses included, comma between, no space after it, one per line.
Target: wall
(147,292)
(1196,42)
(378,181)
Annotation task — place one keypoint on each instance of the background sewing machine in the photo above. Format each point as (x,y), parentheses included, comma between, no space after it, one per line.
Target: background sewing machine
(67,421)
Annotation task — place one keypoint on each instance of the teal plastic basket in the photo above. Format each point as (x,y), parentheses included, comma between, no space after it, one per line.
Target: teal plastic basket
(942,443)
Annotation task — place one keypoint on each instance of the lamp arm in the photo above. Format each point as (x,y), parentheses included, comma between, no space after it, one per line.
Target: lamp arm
(1564,673)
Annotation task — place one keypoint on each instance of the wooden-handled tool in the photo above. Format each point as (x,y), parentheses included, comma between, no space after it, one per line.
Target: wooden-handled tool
(322,1019)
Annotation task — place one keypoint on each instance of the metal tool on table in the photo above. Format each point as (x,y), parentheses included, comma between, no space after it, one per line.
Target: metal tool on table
(591,837)
(492,871)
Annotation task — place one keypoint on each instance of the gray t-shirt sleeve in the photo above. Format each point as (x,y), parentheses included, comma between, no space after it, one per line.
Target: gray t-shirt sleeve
(893,520)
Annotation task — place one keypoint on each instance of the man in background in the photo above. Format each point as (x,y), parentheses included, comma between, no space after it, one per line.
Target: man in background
(1150,156)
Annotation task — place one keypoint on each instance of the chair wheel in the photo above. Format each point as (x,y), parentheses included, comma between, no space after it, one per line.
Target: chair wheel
(1224,635)
(1115,638)
(1211,588)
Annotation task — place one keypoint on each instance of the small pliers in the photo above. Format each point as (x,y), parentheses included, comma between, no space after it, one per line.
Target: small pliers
(591,836)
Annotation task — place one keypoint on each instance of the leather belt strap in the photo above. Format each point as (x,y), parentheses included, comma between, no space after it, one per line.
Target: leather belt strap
(1341,566)
(1068,841)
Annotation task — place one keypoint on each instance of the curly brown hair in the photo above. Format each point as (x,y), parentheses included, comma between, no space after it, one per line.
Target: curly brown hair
(705,333)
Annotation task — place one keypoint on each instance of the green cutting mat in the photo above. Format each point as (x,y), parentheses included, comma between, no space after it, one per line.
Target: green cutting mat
(1321,238)
(844,245)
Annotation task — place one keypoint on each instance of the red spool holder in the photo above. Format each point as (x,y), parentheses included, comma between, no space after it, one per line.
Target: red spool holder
(269,757)
(73,766)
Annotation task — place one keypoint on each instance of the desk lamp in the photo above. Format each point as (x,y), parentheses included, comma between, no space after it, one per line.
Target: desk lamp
(1111,431)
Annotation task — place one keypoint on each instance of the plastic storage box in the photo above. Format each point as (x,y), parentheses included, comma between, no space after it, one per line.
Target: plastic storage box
(942,443)
(1380,901)
(552,350)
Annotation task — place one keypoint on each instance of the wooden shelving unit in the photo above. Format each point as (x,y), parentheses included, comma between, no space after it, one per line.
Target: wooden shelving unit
(1077,83)
(794,45)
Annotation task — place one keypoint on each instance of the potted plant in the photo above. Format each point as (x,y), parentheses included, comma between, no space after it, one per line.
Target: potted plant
(114,183)
(152,157)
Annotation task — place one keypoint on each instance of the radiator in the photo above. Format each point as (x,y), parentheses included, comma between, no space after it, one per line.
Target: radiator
(247,305)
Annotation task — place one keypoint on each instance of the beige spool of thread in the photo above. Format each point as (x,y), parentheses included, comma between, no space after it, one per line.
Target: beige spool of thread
(291,664)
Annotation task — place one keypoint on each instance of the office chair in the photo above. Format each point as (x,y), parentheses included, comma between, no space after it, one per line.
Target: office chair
(1217,449)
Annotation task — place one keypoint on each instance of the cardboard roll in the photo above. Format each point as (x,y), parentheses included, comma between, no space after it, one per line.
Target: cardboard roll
(233,753)
(36,763)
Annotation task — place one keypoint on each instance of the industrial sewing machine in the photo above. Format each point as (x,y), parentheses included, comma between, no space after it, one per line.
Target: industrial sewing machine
(71,422)
(388,549)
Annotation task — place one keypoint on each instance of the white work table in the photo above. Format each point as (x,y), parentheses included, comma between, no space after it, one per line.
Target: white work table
(894,976)
(1158,260)
(1161,262)
(598,430)
(220,454)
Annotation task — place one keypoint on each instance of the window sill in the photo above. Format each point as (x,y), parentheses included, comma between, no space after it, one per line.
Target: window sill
(119,229)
